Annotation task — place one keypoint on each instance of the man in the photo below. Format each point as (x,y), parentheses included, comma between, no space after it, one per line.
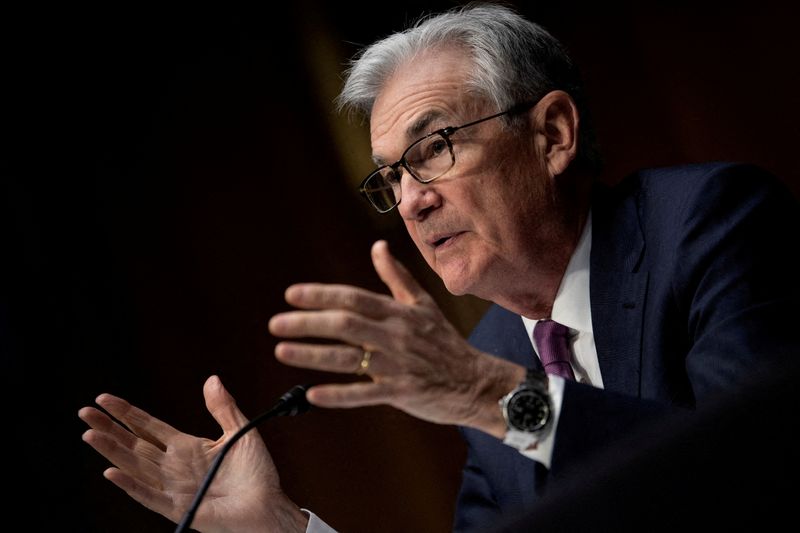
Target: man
(660,294)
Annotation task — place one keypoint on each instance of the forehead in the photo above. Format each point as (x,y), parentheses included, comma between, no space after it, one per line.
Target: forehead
(426,90)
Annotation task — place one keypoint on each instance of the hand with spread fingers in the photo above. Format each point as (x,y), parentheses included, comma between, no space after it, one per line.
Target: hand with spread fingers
(163,468)
(416,360)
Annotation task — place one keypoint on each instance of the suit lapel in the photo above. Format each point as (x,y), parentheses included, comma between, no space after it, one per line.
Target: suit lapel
(502,333)
(522,348)
(617,287)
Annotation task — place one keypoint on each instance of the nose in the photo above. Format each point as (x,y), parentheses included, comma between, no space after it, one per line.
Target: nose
(417,199)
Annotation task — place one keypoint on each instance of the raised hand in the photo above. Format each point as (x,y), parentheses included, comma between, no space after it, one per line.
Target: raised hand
(162,468)
(418,362)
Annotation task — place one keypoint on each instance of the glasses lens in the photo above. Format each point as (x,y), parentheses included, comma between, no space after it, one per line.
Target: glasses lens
(430,157)
(382,188)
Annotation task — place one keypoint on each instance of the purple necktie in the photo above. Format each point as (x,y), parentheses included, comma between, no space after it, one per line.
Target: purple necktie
(551,339)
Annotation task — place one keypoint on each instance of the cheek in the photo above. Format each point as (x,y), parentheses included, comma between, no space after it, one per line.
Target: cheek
(412,232)
(524,192)
(503,186)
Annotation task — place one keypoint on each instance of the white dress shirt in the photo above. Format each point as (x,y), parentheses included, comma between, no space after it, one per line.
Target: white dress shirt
(315,524)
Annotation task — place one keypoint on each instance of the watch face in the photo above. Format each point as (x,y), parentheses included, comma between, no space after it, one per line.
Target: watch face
(528,410)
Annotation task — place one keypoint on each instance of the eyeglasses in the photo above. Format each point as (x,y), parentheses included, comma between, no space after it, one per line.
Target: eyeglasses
(425,160)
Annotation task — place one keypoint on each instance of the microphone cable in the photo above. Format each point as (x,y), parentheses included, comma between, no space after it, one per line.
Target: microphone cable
(292,403)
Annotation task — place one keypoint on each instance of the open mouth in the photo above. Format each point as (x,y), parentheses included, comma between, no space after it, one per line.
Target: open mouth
(444,241)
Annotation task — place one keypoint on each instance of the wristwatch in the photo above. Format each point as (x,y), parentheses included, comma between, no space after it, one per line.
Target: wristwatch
(527,411)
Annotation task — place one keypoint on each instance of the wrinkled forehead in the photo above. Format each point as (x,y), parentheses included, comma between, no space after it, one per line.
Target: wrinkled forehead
(427,92)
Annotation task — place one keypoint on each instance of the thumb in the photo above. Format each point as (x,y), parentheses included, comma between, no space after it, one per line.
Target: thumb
(222,406)
(401,283)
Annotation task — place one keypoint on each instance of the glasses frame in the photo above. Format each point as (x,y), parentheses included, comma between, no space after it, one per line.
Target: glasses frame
(445,133)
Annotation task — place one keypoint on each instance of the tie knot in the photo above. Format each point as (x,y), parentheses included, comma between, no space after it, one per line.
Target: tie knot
(551,340)
(549,328)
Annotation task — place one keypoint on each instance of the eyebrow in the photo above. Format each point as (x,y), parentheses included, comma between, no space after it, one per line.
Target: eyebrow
(421,126)
(415,131)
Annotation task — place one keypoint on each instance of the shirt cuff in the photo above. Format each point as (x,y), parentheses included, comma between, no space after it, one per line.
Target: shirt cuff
(315,524)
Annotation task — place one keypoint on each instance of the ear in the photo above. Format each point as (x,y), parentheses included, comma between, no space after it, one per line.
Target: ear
(556,124)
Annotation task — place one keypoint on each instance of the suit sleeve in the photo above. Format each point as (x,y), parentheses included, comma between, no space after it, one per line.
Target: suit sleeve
(736,269)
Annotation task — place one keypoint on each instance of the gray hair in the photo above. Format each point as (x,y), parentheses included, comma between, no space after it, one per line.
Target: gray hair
(514,61)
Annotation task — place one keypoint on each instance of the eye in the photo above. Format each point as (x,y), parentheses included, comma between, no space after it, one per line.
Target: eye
(428,151)
(435,147)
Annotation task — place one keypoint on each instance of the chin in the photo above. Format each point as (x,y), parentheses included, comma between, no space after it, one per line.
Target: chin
(462,274)
(457,283)
(455,290)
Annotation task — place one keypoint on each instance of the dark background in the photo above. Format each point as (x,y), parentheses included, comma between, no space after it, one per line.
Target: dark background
(168,172)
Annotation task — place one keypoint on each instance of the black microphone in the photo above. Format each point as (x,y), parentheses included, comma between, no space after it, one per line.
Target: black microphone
(290,404)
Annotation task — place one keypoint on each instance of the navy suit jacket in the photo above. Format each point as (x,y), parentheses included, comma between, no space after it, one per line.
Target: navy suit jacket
(691,288)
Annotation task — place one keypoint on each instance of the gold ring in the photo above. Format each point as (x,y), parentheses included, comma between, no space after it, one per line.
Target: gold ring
(363,366)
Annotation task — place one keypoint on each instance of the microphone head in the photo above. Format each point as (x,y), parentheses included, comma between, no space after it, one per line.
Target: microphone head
(294,402)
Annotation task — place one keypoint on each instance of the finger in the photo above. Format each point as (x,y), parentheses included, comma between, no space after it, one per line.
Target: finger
(141,423)
(153,499)
(359,394)
(401,283)
(328,358)
(222,406)
(324,296)
(123,457)
(345,326)
(101,422)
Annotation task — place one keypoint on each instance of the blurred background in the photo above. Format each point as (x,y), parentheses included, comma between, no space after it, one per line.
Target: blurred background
(168,172)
